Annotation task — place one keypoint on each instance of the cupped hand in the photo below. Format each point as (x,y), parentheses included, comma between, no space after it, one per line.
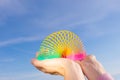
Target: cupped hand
(51,66)
(60,66)
(91,67)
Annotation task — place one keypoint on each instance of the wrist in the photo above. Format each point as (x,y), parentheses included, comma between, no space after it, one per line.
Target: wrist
(73,72)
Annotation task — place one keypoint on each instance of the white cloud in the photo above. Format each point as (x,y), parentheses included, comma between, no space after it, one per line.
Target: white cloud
(19,40)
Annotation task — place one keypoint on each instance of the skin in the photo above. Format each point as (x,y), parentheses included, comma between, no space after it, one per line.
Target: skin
(71,70)
(67,68)
(91,67)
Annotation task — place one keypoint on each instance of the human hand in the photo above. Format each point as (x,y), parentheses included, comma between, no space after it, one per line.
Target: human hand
(52,66)
(61,66)
(91,67)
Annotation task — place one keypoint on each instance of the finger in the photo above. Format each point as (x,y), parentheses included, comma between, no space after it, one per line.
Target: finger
(41,69)
(91,57)
(78,62)
(52,62)
(55,73)
(37,63)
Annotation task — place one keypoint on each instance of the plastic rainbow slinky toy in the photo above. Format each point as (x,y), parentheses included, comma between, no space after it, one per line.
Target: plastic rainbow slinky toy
(61,44)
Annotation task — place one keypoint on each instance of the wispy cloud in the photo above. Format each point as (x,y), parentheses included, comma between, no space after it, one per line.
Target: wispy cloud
(70,20)
(19,40)
(10,8)
(7,60)
(22,50)
(75,18)
(29,76)
(19,76)
(93,12)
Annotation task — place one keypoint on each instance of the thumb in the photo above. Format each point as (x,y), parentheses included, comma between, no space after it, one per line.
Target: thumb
(37,63)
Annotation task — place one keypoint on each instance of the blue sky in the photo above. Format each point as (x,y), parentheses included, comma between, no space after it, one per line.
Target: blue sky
(25,23)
